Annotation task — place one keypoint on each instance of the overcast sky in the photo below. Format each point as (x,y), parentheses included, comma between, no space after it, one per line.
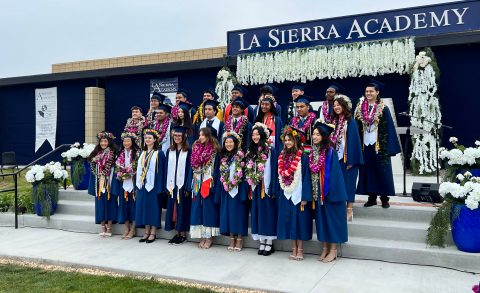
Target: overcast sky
(37,33)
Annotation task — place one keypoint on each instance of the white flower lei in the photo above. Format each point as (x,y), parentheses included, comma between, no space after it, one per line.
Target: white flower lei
(350,60)
(424,103)
(296,179)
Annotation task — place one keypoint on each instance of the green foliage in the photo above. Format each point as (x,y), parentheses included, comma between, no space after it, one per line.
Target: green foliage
(15,278)
(78,171)
(45,193)
(440,224)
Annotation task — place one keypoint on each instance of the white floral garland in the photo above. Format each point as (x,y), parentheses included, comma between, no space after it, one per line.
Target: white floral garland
(351,60)
(424,103)
(224,86)
(296,179)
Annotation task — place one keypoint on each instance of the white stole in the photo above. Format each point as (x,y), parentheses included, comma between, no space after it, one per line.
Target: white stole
(150,177)
(182,162)
(232,168)
(127,183)
(296,194)
(215,123)
(342,146)
(166,139)
(370,134)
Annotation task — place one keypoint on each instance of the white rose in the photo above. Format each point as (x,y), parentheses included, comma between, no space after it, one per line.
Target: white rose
(460,177)
(453,139)
(467,174)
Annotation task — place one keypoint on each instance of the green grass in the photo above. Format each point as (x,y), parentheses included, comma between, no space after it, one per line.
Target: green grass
(15,278)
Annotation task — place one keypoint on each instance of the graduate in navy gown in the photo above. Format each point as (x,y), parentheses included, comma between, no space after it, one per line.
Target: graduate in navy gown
(238,122)
(150,182)
(123,185)
(205,161)
(184,119)
(329,193)
(348,145)
(162,126)
(269,116)
(239,91)
(268,90)
(294,210)
(210,119)
(178,185)
(155,101)
(380,142)
(325,112)
(232,191)
(261,174)
(182,96)
(208,95)
(102,160)
(304,120)
(297,90)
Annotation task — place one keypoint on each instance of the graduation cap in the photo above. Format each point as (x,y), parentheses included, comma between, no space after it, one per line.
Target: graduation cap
(165,107)
(324,127)
(269,89)
(212,92)
(303,99)
(377,84)
(183,92)
(213,103)
(239,101)
(241,89)
(180,129)
(337,87)
(298,87)
(185,106)
(158,96)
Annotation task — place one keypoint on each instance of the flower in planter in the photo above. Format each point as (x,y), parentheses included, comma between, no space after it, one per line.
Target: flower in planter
(453,140)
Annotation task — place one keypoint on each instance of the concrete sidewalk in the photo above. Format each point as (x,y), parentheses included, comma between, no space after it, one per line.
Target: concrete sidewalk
(235,269)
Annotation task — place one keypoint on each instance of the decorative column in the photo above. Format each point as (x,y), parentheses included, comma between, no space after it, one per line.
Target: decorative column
(94,113)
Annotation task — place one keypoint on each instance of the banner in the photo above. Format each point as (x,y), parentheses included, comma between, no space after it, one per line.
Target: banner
(456,17)
(165,86)
(45,116)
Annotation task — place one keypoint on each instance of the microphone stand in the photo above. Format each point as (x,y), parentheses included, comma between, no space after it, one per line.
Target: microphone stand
(437,127)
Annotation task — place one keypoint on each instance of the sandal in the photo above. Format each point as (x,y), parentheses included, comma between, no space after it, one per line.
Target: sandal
(240,246)
(208,243)
(323,255)
(144,238)
(332,255)
(293,256)
(109,232)
(231,247)
(104,229)
(125,233)
(130,234)
(201,243)
(349,214)
(299,258)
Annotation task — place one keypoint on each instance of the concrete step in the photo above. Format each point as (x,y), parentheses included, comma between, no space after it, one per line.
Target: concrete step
(399,213)
(72,194)
(76,207)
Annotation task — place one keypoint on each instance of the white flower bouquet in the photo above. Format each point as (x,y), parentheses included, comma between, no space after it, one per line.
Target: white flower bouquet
(77,156)
(460,158)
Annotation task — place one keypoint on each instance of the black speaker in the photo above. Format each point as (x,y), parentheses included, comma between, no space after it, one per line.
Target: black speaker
(426,192)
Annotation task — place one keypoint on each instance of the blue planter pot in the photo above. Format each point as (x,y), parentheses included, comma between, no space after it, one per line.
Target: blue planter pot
(466,228)
(83,184)
(39,211)
(50,198)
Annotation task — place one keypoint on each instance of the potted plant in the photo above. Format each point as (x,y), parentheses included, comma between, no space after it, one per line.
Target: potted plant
(460,159)
(460,212)
(45,182)
(79,167)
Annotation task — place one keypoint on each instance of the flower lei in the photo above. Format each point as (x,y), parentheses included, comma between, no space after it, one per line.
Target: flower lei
(104,160)
(163,131)
(256,164)
(316,161)
(241,125)
(326,116)
(290,176)
(225,170)
(306,125)
(337,135)
(122,171)
(367,119)
(202,157)
(135,126)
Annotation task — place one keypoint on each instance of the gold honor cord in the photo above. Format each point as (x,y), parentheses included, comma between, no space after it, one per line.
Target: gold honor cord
(145,164)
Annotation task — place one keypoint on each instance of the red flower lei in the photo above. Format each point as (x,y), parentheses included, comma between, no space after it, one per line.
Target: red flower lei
(290,160)
(102,163)
(326,116)
(202,154)
(241,124)
(306,125)
(163,131)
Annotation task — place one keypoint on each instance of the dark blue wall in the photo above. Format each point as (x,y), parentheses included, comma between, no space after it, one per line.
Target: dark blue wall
(457,91)
(17,104)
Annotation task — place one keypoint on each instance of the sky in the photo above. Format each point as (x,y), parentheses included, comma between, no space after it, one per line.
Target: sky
(35,34)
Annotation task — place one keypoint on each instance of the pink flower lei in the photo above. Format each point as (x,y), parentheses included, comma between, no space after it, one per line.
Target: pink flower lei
(306,125)
(316,159)
(255,168)
(362,113)
(325,108)
(125,172)
(337,135)
(241,124)
(102,163)
(202,156)
(163,131)
(225,170)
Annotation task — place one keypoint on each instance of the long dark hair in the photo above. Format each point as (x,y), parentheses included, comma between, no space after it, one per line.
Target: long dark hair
(253,147)
(156,145)
(135,148)
(210,139)
(187,121)
(326,142)
(185,146)
(229,154)
(261,115)
(98,148)
(346,111)
(297,146)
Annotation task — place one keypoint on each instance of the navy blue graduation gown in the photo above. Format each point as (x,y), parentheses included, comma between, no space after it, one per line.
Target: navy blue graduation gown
(308,131)
(293,223)
(126,206)
(221,126)
(354,157)
(148,205)
(233,211)
(264,212)
(376,176)
(206,211)
(180,209)
(105,209)
(331,217)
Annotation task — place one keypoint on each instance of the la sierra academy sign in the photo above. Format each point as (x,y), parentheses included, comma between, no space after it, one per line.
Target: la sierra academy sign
(419,21)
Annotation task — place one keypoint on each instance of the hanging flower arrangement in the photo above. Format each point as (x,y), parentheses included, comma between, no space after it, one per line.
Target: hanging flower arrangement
(332,62)
(225,83)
